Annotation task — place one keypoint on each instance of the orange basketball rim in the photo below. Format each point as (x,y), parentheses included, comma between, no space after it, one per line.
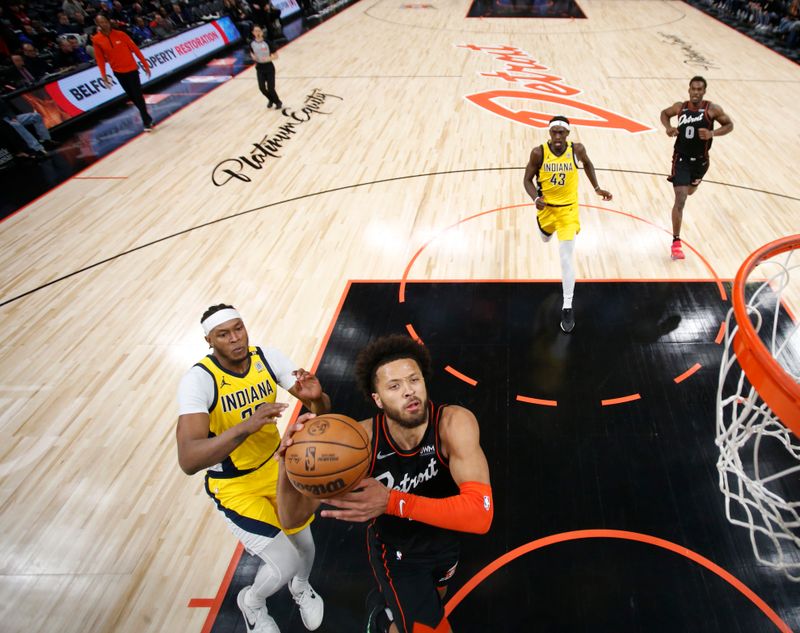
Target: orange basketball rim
(775,386)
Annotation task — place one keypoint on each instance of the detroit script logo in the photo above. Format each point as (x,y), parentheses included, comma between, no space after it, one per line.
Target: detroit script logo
(546,93)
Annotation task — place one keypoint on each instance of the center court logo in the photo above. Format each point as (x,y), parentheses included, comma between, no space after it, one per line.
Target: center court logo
(270,146)
(536,84)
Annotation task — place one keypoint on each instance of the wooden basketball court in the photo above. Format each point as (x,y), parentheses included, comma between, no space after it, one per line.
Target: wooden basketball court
(399,159)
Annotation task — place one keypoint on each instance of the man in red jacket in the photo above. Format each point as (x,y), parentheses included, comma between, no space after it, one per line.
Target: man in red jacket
(116,48)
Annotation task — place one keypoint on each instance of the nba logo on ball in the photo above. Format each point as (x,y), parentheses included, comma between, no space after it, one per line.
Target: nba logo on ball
(311,454)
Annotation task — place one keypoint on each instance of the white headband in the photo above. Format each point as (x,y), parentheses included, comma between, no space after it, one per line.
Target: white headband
(563,124)
(218,318)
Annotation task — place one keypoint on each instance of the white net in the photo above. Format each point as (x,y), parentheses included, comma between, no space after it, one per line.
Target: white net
(759,462)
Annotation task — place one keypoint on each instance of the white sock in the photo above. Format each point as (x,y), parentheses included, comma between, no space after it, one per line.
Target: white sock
(278,566)
(566,252)
(304,544)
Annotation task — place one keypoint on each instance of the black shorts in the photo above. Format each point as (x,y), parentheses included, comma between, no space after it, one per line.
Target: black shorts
(688,171)
(410,582)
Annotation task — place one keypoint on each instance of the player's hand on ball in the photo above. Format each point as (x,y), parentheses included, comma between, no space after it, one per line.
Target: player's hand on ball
(369,499)
(286,440)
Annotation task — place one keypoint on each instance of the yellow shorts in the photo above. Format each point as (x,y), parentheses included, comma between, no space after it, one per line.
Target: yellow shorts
(561,220)
(251,501)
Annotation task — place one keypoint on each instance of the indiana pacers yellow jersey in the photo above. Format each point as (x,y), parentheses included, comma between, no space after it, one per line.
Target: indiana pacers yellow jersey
(235,399)
(245,487)
(558,177)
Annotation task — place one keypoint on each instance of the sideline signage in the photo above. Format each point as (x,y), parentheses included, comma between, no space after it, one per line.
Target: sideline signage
(78,93)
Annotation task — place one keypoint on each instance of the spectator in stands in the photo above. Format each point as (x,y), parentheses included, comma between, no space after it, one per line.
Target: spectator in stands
(65,59)
(40,38)
(14,143)
(84,57)
(140,32)
(22,76)
(34,62)
(19,121)
(789,27)
(161,27)
(136,11)
(239,14)
(259,15)
(118,49)
(17,16)
(8,38)
(268,17)
(179,17)
(151,7)
(64,26)
(84,27)
(74,8)
(118,14)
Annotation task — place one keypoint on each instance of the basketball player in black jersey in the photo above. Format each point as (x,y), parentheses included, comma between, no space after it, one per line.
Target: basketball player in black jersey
(428,480)
(694,136)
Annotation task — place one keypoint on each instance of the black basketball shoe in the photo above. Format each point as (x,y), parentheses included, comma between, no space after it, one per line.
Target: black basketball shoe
(377,620)
(567,320)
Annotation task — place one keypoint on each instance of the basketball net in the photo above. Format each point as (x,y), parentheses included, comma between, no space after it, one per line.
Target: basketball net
(759,462)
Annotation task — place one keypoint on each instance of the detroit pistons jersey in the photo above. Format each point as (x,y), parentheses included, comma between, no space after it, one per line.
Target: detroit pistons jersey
(420,471)
(558,177)
(690,122)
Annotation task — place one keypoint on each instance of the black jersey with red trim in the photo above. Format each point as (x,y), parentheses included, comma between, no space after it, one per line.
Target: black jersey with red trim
(690,122)
(420,471)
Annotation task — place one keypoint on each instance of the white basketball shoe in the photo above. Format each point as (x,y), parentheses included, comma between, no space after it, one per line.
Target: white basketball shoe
(309,602)
(256,620)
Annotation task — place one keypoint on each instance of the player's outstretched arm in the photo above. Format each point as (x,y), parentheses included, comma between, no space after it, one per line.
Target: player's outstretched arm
(469,511)
(472,509)
(196,450)
(308,390)
(294,508)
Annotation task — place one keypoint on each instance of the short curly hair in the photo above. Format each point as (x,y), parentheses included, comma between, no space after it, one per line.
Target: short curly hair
(212,309)
(385,350)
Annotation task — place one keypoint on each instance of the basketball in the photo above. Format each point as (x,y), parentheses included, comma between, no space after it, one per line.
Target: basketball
(328,456)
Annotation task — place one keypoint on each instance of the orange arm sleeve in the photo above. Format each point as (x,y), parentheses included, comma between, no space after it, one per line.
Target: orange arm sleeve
(470,511)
